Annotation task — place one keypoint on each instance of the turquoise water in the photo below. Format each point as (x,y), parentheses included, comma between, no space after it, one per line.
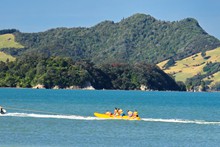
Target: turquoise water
(65,118)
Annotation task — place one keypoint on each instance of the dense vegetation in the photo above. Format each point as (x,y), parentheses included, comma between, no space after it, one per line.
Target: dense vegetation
(8,31)
(28,71)
(139,38)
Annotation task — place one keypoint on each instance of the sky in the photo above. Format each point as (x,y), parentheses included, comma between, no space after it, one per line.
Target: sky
(41,15)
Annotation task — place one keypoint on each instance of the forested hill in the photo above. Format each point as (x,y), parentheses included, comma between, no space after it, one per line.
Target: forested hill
(139,38)
(29,71)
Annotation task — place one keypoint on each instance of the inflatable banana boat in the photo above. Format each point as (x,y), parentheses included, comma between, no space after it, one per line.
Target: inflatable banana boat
(106,116)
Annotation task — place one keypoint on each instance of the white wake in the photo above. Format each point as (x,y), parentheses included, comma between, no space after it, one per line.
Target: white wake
(75,117)
(201,122)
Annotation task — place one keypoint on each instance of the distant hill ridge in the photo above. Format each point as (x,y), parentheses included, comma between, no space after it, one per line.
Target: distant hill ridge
(139,38)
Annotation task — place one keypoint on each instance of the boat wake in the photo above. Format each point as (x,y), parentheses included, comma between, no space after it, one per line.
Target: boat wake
(75,117)
(201,122)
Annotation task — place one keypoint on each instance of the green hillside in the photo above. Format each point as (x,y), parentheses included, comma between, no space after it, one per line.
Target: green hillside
(182,48)
(197,68)
(139,38)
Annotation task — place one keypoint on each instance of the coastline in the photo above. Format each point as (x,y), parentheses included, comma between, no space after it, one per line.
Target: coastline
(91,89)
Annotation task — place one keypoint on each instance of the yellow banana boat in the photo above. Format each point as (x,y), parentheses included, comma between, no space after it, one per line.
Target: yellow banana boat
(105,116)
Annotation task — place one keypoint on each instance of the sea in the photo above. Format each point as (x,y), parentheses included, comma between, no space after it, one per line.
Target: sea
(65,118)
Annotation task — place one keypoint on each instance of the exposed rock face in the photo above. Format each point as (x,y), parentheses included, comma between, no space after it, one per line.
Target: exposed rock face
(143,88)
(56,87)
(88,86)
(73,87)
(39,86)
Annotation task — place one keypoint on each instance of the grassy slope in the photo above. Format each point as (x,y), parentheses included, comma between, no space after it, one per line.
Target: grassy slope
(193,65)
(8,41)
(161,64)
(4,57)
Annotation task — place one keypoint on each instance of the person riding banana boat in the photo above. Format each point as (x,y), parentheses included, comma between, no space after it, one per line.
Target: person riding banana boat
(108,113)
(119,114)
(116,112)
(130,113)
(135,114)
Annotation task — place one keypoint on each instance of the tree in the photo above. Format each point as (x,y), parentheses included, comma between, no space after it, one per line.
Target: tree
(169,63)
(203,54)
